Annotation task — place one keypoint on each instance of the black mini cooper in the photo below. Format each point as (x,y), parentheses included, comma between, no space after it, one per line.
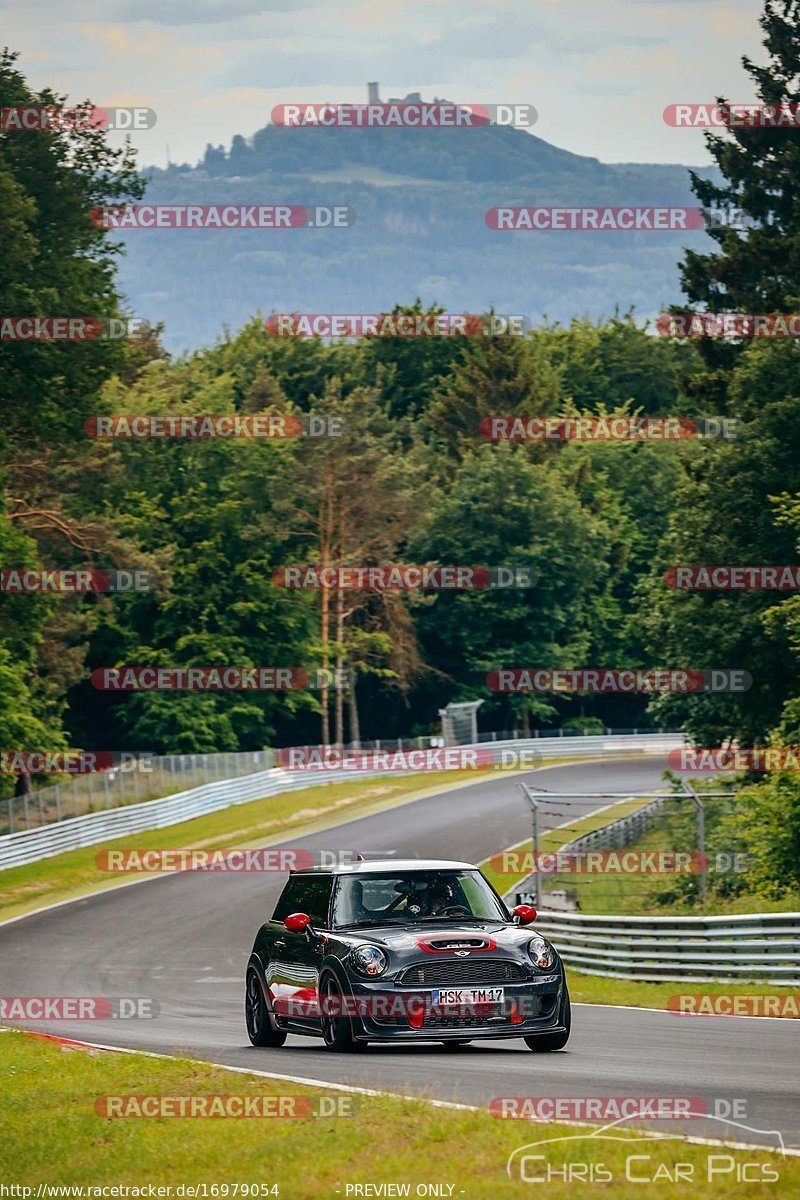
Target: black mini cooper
(402,951)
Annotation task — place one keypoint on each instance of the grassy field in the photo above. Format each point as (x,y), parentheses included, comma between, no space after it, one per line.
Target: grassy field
(52,1134)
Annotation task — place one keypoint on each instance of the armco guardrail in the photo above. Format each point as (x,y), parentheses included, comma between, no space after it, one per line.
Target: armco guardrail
(30,845)
(693,949)
(134,779)
(140,776)
(689,949)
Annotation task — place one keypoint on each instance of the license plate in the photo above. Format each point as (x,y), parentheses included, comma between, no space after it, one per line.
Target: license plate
(447,996)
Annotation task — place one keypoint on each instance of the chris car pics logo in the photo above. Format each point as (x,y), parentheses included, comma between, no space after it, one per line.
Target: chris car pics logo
(575,1158)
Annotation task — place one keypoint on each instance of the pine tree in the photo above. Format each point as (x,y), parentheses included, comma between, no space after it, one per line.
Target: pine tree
(753,270)
(495,377)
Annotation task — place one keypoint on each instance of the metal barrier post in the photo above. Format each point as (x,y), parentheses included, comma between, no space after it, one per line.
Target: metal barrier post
(701,839)
(534,803)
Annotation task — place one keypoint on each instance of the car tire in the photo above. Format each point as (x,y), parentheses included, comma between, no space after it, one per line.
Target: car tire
(257,1017)
(337,1032)
(457,1045)
(541,1043)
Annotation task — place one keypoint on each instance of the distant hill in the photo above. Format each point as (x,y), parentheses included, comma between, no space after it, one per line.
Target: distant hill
(420,199)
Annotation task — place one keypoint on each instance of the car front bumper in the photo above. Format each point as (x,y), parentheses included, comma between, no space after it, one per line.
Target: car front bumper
(386,1014)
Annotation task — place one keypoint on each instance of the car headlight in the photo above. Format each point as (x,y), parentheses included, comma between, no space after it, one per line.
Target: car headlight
(541,952)
(369,960)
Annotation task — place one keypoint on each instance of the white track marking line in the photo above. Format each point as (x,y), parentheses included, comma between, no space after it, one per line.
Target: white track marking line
(362,1091)
(698,1016)
(565,824)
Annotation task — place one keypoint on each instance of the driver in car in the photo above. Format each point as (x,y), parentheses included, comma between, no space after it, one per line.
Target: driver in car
(440,897)
(425,900)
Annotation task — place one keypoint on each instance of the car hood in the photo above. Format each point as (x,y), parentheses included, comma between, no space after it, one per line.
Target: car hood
(434,938)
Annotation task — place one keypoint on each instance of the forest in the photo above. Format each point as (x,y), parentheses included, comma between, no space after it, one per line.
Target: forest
(401,473)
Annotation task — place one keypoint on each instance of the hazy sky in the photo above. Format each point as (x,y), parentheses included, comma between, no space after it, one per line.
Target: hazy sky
(600,72)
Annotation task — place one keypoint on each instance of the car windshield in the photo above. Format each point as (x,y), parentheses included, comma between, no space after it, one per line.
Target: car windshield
(405,898)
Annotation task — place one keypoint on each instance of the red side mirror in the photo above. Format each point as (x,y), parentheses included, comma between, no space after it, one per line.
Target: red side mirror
(523,914)
(297,922)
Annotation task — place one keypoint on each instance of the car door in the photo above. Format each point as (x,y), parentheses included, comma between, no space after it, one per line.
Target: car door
(293,969)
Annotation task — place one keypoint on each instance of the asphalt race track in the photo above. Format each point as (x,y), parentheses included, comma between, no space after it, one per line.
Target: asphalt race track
(184,940)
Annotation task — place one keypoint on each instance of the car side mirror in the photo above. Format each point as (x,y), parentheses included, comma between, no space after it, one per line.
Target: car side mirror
(523,914)
(297,922)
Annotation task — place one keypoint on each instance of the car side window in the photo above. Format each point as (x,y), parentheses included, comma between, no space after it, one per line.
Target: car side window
(318,898)
(291,899)
(305,893)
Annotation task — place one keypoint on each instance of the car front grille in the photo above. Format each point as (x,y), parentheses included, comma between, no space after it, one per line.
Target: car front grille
(462,1022)
(447,972)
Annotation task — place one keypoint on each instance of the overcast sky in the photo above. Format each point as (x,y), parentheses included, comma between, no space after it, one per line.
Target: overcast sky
(600,72)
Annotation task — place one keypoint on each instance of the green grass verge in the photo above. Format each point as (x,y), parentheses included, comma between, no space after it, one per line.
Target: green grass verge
(53,1135)
(598,989)
(256,823)
(554,839)
(636,895)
